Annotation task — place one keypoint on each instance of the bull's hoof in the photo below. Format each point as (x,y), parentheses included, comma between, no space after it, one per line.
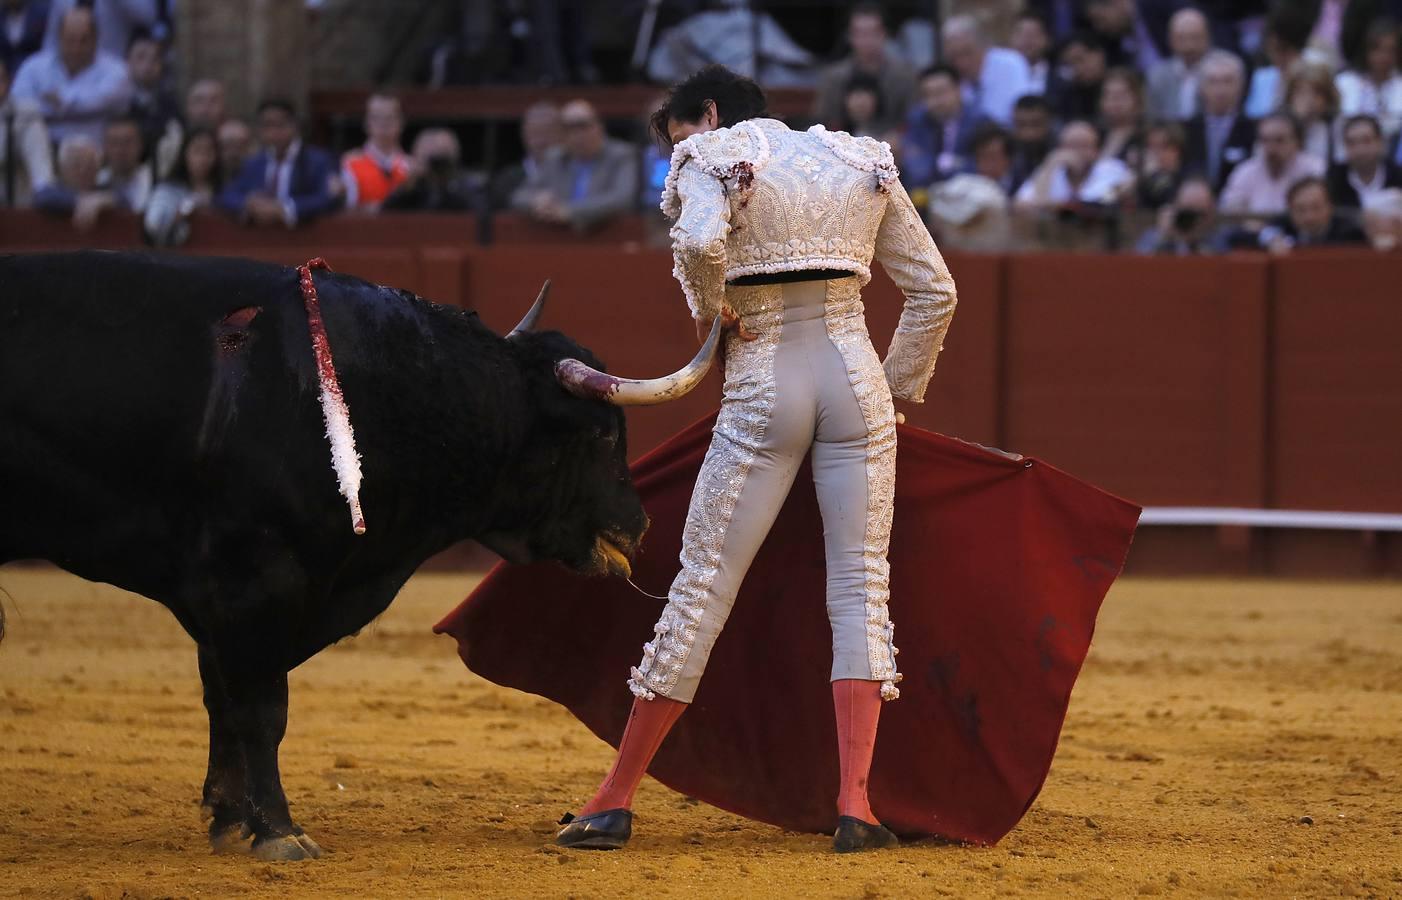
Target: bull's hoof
(288,848)
(231,839)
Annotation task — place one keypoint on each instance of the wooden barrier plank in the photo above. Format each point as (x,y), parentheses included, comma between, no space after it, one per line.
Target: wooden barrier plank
(963,397)
(626,308)
(1336,391)
(517,228)
(1117,370)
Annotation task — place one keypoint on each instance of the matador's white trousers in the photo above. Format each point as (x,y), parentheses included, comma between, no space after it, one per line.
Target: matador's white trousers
(811,381)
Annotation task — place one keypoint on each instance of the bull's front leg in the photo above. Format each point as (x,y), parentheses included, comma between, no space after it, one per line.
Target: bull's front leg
(225,797)
(255,711)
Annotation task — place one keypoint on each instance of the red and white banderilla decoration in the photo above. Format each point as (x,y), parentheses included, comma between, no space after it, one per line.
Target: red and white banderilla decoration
(344,458)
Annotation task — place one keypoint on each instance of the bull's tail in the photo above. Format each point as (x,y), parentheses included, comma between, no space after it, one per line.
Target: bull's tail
(4,595)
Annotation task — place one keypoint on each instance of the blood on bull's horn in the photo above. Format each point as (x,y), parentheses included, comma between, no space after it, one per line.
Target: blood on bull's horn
(527,324)
(590,383)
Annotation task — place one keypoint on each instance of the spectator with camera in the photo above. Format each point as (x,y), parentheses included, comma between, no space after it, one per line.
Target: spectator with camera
(436,182)
(1188,225)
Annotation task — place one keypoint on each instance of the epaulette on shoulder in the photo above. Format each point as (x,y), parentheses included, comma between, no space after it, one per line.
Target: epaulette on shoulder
(864,153)
(734,153)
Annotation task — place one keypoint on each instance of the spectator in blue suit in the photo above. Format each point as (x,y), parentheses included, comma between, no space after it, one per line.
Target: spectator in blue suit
(287,182)
(939,137)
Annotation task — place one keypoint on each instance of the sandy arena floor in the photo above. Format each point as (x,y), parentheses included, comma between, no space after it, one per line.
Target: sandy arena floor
(1212,718)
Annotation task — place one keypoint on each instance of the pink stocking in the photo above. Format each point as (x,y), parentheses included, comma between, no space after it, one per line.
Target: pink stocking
(858,707)
(648,724)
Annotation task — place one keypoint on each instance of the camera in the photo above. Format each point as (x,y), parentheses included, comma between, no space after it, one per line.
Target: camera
(441,167)
(1185,220)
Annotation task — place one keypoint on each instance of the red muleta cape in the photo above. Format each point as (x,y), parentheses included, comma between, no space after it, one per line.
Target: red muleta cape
(999,564)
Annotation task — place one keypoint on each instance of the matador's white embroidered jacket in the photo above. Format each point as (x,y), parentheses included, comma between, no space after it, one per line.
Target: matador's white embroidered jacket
(761,198)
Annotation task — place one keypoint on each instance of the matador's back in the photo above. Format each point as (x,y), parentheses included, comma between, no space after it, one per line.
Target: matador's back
(759,199)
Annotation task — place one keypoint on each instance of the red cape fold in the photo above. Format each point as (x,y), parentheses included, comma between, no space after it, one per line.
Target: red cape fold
(999,564)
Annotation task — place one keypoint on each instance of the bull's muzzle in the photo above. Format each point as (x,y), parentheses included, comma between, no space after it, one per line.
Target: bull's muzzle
(612,558)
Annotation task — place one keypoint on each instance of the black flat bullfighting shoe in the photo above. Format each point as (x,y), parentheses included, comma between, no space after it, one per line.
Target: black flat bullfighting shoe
(853,836)
(607,830)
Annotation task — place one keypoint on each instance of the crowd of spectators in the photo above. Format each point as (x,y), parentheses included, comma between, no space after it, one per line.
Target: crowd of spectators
(1211,130)
(1215,131)
(90,122)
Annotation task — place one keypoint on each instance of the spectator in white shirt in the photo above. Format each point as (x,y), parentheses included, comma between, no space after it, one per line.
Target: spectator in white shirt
(75,193)
(117,20)
(1375,86)
(1173,82)
(1260,185)
(75,86)
(1031,38)
(992,78)
(1075,173)
(22,133)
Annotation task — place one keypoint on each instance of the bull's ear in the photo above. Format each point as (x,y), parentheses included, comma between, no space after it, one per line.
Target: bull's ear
(527,324)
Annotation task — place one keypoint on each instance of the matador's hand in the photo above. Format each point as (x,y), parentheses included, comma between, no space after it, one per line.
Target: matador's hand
(728,320)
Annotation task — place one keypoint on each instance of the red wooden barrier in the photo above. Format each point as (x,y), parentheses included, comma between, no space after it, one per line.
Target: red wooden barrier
(1142,375)
(1336,397)
(1240,381)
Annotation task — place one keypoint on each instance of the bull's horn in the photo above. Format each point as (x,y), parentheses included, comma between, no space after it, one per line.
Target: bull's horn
(527,324)
(590,383)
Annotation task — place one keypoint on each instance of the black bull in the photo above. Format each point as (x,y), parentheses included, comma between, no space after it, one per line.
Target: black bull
(160,431)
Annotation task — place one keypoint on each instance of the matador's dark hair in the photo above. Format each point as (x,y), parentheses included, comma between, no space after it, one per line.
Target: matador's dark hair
(737,98)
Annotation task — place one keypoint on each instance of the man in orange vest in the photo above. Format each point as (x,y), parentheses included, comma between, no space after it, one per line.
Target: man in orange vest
(373,172)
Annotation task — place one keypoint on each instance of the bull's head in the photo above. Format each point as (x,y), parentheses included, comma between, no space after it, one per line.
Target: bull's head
(579,505)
